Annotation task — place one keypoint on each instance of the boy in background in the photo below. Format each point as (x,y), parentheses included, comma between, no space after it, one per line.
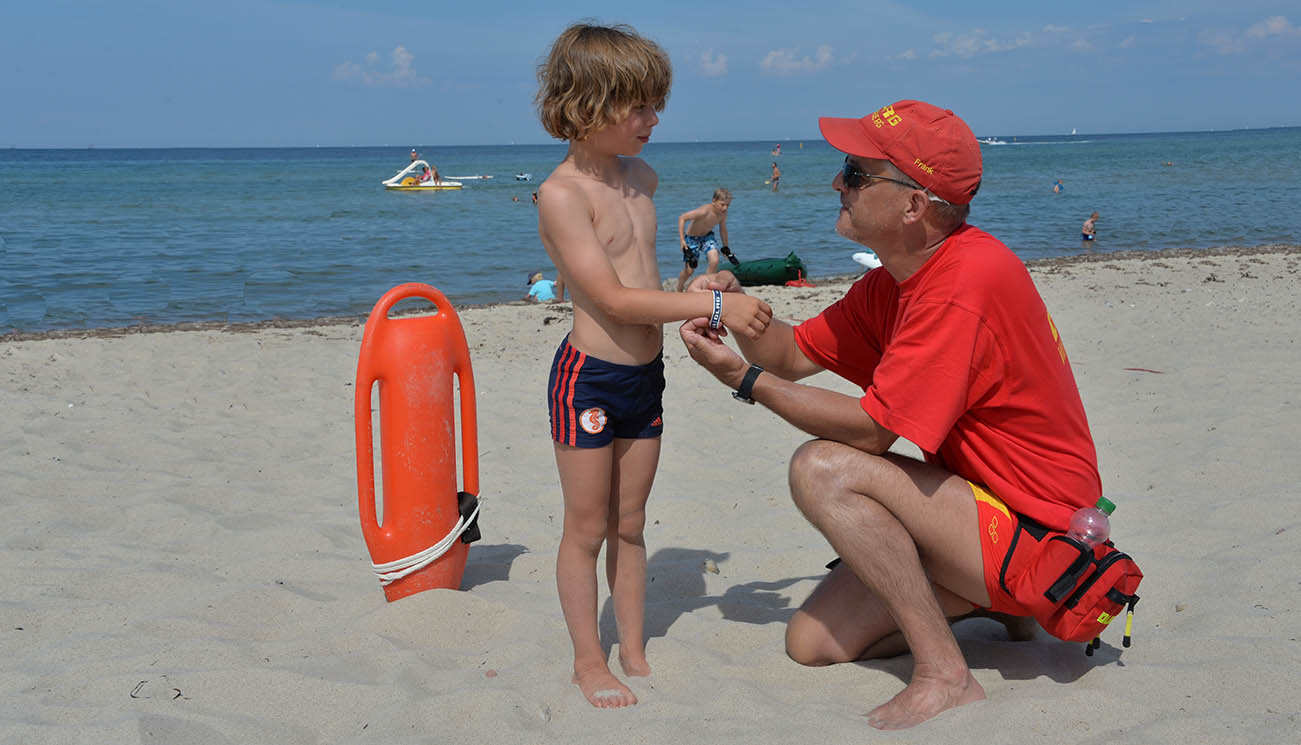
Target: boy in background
(1089,230)
(600,88)
(545,290)
(699,236)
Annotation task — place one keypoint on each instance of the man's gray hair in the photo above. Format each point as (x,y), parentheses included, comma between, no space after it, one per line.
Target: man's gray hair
(950,216)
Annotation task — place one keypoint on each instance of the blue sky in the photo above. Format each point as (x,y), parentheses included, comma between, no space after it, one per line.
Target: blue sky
(248,73)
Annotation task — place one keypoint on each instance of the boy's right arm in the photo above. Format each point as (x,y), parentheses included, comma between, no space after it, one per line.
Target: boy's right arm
(565,224)
(682,224)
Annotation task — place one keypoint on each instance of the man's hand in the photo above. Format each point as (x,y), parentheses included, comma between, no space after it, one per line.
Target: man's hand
(742,314)
(711,353)
(723,281)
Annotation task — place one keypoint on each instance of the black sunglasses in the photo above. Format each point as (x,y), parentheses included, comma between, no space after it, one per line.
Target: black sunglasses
(856,178)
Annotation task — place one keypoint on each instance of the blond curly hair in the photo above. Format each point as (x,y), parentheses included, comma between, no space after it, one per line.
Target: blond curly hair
(594,75)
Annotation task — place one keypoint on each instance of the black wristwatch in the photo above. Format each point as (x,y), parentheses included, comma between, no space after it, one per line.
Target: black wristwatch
(746,391)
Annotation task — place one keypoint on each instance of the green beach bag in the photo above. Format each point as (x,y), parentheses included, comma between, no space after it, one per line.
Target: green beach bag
(769,271)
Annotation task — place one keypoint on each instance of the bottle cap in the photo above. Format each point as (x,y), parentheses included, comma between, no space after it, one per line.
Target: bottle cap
(1106,505)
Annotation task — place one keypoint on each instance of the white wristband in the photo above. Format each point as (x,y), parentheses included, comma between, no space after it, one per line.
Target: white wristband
(716,319)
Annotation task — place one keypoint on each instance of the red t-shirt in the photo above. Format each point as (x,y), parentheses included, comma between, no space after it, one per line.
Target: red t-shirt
(963,359)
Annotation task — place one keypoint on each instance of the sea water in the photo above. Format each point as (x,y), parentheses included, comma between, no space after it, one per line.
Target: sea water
(96,238)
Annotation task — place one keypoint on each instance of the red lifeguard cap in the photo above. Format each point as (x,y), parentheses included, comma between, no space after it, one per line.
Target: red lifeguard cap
(931,145)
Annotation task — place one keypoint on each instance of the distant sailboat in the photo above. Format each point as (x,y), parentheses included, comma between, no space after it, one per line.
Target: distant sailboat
(1072,130)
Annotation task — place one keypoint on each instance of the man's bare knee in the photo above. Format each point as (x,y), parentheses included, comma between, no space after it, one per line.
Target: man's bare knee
(812,473)
(808,643)
(820,473)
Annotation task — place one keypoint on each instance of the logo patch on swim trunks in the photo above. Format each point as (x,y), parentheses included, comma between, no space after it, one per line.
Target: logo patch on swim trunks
(993,529)
(659,422)
(592,420)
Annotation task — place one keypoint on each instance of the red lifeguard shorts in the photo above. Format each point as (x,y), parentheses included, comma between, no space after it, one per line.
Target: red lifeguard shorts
(997,525)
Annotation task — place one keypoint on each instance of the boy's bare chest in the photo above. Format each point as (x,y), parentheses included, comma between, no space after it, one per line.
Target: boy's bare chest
(626,225)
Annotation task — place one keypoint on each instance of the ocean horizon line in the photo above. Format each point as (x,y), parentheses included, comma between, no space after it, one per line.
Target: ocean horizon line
(813,138)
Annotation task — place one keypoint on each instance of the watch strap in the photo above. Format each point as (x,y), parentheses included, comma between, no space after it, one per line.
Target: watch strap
(746,391)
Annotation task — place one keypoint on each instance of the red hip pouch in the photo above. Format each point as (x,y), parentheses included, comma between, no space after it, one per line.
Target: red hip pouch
(1072,590)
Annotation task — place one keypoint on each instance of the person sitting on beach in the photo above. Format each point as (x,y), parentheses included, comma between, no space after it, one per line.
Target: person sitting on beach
(699,235)
(545,290)
(600,88)
(955,351)
(1089,230)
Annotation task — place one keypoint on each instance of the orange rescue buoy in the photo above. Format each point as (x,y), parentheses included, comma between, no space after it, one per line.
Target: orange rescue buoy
(427,523)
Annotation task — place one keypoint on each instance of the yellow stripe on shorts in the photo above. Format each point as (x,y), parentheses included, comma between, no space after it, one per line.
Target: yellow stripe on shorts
(989,499)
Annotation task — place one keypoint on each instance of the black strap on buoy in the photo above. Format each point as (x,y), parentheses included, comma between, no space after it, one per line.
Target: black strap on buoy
(466,503)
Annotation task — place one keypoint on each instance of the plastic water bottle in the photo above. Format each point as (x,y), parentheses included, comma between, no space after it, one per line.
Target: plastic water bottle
(1092,525)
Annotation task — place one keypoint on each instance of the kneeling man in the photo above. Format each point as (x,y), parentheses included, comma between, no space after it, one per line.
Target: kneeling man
(954,351)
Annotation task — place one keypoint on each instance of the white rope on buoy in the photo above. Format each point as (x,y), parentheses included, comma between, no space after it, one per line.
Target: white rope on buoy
(396,570)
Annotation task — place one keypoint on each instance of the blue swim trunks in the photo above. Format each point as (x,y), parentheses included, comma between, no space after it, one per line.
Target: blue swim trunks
(592,401)
(696,245)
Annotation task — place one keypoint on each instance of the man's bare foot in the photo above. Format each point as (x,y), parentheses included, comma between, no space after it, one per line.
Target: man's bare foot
(634,665)
(603,690)
(1019,628)
(923,698)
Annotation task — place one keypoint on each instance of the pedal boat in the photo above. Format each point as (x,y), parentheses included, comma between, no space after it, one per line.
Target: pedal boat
(408,179)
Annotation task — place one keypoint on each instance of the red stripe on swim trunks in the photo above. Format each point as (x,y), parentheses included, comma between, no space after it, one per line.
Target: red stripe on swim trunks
(557,415)
(569,402)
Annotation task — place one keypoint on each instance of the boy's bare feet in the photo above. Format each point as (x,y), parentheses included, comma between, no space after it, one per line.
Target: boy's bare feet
(602,689)
(923,698)
(634,665)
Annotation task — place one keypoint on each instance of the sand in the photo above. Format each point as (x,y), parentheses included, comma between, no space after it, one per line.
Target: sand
(182,560)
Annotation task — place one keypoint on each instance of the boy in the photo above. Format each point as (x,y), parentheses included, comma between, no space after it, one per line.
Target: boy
(545,290)
(700,235)
(600,89)
(1089,230)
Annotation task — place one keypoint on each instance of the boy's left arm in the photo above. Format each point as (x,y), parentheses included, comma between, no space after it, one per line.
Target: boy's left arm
(722,229)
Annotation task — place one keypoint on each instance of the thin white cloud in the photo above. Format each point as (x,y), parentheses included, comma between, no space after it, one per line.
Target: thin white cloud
(908,54)
(1127,43)
(788,61)
(1273,26)
(1051,29)
(713,65)
(974,42)
(403,73)
(1227,42)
